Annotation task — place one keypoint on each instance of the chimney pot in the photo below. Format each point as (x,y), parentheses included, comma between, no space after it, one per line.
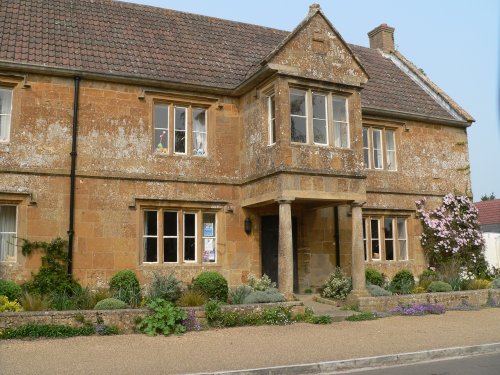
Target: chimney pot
(382,37)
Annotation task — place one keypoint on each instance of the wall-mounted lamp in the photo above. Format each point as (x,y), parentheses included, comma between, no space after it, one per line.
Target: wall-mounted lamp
(248,225)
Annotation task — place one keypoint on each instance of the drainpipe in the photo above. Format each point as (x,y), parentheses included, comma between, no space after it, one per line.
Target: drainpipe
(71,230)
(337,235)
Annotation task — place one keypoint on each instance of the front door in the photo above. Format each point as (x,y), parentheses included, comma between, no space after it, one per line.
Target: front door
(269,248)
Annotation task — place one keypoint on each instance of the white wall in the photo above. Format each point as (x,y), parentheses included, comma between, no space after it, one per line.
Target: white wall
(492,251)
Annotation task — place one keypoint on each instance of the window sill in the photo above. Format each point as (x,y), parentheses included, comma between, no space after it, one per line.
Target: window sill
(166,155)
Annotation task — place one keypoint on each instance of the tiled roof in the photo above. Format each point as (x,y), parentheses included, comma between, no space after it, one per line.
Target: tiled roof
(110,37)
(489,212)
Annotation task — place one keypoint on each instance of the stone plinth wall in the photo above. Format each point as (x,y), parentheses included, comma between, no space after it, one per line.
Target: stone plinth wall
(125,319)
(448,300)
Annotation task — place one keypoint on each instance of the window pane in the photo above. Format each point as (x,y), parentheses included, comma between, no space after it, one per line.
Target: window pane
(272,119)
(389,249)
(180,118)
(170,250)
(5,108)
(150,249)
(364,239)
(403,251)
(390,150)
(209,251)
(402,229)
(150,223)
(388,230)
(365,137)
(339,109)
(189,224)
(298,103)
(319,127)
(374,227)
(199,120)
(299,131)
(169,224)
(344,135)
(189,249)
(377,148)
(199,132)
(161,140)
(208,225)
(319,106)
(161,127)
(8,222)
(180,130)
(366,158)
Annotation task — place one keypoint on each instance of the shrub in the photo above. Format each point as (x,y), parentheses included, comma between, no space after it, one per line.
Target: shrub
(427,277)
(10,289)
(213,312)
(212,284)
(309,317)
(46,330)
(167,287)
(439,286)
(403,282)
(418,309)
(418,290)
(268,296)
(377,291)
(374,277)
(35,302)
(495,284)
(166,319)
(6,305)
(238,295)
(261,284)
(308,291)
(192,298)
(361,316)
(125,286)
(338,285)
(52,277)
(278,315)
(110,304)
(479,284)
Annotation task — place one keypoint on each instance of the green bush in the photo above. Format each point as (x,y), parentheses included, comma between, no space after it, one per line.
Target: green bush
(166,319)
(110,304)
(374,277)
(338,285)
(268,296)
(46,330)
(427,277)
(35,302)
(377,291)
(479,284)
(6,305)
(261,284)
(495,284)
(362,316)
(439,286)
(125,286)
(212,284)
(10,289)
(403,282)
(238,294)
(192,298)
(167,287)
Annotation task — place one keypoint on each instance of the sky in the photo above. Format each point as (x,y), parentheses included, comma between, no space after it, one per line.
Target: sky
(455,42)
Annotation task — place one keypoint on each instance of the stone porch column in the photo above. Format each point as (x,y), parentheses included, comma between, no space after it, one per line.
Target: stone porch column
(358,258)
(285,248)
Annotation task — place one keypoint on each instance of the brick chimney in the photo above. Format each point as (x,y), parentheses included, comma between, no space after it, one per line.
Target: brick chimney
(382,37)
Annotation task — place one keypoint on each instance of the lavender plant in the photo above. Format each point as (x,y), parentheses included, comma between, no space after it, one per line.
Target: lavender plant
(418,309)
(451,233)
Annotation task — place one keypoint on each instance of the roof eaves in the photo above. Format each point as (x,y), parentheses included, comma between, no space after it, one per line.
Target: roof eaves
(430,87)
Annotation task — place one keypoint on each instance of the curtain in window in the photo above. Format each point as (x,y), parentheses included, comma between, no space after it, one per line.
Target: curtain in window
(7,233)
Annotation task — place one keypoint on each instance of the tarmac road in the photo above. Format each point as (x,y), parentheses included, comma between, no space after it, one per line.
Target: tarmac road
(248,347)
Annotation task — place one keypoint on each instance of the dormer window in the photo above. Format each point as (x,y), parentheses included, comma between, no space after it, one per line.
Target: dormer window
(319,114)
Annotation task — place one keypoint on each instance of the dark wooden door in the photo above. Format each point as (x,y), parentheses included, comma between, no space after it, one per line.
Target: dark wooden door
(269,248)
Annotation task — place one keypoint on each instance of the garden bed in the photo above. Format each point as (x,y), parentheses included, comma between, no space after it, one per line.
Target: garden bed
(125,320)
(450,300)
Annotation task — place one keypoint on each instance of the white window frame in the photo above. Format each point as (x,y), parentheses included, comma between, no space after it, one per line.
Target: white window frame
(366,131)
(325,96)
(195,237)
(340,123)
(393,239)
(379,150)
(377,238)
(271,111)
(194,132)
(387,150)
(13,258)
(166,130)
(185,131)
(405,223)
(382,239)
(306,116)
(144,236)
(164,237)
(384,151)
(214,237)
(8,114)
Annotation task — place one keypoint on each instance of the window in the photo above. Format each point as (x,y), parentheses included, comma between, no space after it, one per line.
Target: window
(271,110)
(388,242)
(170,235)
(8,233)
(5,114)
(375,141)
(310,113)
(189,128)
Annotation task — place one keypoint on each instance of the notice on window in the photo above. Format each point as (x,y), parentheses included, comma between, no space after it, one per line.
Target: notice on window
(208,229)
(209,250)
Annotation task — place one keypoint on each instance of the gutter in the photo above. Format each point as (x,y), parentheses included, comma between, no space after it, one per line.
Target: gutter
(71,229)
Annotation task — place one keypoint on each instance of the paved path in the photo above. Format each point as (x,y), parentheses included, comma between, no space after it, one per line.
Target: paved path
(248,347)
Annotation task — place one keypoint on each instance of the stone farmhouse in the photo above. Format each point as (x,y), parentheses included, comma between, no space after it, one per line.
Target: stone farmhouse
(160,140)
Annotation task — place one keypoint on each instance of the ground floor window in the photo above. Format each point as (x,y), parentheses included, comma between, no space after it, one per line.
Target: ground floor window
(175,235)
(385,238)
(8,232)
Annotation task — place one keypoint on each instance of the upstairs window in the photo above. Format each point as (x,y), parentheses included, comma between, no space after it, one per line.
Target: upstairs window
(314,116)
(5,114)
(8,232)
(379,148)
(189,129)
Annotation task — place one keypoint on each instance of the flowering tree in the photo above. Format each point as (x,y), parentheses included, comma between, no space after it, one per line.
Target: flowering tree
(451,233)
